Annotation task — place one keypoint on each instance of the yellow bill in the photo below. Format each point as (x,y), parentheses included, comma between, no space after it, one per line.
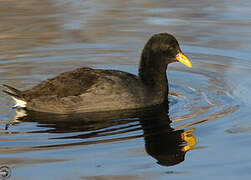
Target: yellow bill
(183,59)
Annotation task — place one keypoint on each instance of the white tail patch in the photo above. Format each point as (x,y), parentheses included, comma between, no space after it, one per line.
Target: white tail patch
(19,103)
(20,113)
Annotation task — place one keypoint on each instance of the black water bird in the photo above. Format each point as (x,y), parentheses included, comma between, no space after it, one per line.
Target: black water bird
(93,90)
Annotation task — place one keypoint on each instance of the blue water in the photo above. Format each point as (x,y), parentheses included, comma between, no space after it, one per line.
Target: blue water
(40,39)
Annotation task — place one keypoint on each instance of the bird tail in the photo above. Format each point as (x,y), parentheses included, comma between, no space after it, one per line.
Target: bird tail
(16,95)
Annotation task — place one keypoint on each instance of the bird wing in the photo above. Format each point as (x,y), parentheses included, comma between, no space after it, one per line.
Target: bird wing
(70,83)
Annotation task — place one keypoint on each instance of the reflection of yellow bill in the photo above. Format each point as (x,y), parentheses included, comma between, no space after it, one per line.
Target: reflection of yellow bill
(189,138)
(183,59)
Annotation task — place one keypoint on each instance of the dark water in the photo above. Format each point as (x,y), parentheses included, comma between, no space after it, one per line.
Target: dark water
(203,133)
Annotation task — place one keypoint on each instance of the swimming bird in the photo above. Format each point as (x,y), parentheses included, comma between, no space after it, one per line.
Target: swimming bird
(95,90)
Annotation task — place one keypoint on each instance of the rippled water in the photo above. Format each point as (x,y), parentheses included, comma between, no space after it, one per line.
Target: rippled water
(203,132)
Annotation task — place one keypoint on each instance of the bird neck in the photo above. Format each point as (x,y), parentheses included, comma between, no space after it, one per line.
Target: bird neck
(152,72)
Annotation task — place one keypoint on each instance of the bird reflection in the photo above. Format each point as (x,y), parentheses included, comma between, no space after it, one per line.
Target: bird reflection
(167,145)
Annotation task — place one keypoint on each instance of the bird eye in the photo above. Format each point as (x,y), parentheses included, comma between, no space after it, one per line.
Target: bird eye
(166,47)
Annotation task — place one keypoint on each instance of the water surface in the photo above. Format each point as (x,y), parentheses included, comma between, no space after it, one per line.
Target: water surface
(203,132)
